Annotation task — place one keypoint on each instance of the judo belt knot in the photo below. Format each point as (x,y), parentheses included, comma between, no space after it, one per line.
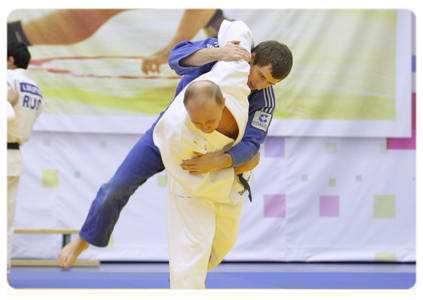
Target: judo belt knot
(246,185)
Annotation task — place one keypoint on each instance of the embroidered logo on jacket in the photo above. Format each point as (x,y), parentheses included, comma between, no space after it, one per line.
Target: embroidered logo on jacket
(261,120)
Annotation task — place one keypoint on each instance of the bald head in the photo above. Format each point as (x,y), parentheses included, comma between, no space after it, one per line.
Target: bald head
(204,103)
(202,91)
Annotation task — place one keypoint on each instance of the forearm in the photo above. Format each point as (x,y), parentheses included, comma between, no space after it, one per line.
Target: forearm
(201,57)
(191,23)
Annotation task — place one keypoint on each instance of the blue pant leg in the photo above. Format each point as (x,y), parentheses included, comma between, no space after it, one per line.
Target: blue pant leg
(142,162)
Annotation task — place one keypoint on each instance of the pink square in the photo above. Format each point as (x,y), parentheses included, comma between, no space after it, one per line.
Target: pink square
(405,143)
(329,206)
(274,206)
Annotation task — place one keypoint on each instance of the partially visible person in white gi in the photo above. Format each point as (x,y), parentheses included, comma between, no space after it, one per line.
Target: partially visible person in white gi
(12,97)
(27,102)
(203,211)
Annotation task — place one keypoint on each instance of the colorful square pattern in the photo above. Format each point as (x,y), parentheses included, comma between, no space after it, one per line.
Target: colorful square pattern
(329,206)
(384,206)
(274,206)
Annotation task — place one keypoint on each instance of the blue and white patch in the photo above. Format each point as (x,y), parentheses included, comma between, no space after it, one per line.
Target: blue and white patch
(261,120)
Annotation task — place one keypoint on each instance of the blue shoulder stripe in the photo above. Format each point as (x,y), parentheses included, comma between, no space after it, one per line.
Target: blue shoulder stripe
(269,100)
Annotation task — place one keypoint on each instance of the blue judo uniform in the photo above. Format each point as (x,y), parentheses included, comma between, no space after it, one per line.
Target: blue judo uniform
(144,159)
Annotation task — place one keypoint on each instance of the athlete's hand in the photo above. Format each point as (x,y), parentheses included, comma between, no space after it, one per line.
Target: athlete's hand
(232,52)
(203,163)
(249,165)
(12,97)
(153,62)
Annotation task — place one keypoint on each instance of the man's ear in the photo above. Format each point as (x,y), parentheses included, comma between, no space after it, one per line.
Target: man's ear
(253,55)
(223,102)
(11,59)
(10,62)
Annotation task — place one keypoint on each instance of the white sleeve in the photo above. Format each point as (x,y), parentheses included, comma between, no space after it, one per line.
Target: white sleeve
(238,31)
(10,112)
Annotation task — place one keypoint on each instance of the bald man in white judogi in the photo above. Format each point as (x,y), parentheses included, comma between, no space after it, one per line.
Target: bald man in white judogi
(203,211)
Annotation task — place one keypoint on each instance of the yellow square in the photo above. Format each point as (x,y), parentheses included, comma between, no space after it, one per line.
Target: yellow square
(384,207)
(51,178)
(385,257)
(162,181)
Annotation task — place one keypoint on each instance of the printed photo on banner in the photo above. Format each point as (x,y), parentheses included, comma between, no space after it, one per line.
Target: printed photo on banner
(347,64)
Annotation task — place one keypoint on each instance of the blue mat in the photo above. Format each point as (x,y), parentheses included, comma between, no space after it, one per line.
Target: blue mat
(215,280)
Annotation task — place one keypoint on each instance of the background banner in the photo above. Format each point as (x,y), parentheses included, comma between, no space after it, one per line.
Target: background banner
(336,179)
(350,77)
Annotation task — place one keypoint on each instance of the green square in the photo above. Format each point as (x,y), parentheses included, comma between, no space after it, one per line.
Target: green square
(384,206)
(50,178)
(383,148)
(332,182)
(385,257)
(46,142)
(330,148)
(77,174)
(304,177)
(103,144)
(162,181)
(358,178)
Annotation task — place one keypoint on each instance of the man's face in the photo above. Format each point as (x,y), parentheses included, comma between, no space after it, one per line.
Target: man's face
(205,117)
(260,77)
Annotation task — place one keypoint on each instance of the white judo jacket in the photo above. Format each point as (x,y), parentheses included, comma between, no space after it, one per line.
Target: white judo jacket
(177,137)
(26,112)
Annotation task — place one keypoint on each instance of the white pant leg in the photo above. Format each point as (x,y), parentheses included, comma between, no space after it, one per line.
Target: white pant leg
(191,229)
(228,217)
(12,193)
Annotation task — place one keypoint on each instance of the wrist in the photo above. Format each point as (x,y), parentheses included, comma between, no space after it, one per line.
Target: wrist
(224,161)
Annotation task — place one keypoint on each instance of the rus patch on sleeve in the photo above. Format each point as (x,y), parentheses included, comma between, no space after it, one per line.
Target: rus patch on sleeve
(261,120)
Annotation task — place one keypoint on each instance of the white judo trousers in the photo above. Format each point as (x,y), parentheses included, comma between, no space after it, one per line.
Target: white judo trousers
(12,195)
(203,211)
(202,232)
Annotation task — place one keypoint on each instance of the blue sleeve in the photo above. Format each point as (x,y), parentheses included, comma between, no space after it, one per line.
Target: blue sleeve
(185,49)
(262,101)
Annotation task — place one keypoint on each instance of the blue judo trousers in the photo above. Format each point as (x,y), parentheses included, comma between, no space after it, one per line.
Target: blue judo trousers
(142,162)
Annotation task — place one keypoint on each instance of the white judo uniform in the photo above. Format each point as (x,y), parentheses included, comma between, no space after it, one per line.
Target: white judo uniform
(203,211)
(9,113)
(19,128)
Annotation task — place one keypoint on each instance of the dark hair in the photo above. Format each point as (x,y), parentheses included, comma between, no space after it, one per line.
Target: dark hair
(204,89)
(276,54)
(20,53)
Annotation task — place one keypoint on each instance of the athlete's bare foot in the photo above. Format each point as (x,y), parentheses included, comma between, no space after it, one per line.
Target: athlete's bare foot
(71,251)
